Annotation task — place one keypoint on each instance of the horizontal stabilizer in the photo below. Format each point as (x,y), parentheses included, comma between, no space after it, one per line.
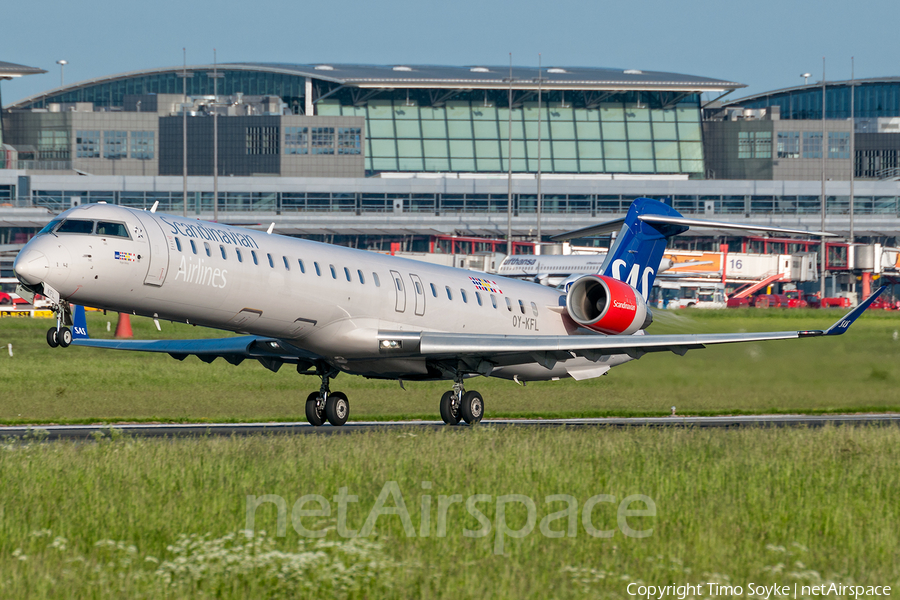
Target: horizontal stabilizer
(723,225)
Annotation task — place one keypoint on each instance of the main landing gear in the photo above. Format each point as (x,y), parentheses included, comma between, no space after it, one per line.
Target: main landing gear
(327,405)
(459,404)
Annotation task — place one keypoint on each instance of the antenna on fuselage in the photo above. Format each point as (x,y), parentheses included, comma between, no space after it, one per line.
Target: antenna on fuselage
(154,207)
(271,228)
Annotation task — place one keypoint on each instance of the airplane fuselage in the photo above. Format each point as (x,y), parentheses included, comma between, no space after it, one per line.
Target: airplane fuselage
(330,300)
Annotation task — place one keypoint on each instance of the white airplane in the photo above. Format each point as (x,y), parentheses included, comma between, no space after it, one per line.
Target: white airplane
(329,309)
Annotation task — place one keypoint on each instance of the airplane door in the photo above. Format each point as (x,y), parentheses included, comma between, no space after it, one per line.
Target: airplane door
(419,291)
(399,291)
(159,251)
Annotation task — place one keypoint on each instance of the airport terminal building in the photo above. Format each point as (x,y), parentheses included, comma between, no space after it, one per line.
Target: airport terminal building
(358,153)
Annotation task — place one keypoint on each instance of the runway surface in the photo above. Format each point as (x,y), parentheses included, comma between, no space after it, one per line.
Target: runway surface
(58,432)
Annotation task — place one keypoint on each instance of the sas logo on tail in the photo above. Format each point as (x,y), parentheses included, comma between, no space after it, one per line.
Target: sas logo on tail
(642,285)
(126,256)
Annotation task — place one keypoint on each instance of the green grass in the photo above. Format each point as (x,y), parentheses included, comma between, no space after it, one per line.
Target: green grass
(112,519)
(854,372)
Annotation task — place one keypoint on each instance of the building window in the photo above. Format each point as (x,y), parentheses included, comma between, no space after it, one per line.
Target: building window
(788,144)
(745,144)
(142,145)
(262,140)
(53,145)
(839,144)
(322,140)
(812,144)
(296,140)
(762,144)
(115,144)
(349,140)
(755,144)
(87,144)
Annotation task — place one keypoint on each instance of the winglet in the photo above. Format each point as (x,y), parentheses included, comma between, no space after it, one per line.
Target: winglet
(79,324)
(847,320)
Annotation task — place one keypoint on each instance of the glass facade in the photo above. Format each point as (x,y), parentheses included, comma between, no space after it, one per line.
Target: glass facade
(875,99)
(456,130)
(199,83)
(587,205)
(472,136)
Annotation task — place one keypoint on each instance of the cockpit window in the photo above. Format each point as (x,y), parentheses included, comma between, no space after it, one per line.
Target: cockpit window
(76,226)
(108,229)
(49,226)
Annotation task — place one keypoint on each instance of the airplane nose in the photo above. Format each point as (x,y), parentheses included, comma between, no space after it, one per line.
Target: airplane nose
(31,267)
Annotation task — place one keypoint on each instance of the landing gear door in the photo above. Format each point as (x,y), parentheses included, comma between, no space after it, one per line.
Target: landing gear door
(159,251)
(419,291)
(400,291)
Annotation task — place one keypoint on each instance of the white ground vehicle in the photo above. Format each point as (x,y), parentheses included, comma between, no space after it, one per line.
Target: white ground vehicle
(684,294)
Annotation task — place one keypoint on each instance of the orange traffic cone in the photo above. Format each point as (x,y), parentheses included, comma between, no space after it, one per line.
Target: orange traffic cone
(123,326)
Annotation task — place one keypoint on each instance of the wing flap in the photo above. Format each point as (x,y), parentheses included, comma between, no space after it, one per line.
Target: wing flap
(270,352)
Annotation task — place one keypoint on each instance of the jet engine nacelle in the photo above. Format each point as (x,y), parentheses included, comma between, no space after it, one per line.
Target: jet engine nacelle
(607,305)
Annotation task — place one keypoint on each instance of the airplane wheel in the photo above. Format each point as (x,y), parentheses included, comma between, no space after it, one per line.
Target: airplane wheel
(448,415)
(52,337)
(65,337)
(472,407)
(337,408)
(314,414)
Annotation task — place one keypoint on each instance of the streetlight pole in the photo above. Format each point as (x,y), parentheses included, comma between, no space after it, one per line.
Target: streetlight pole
(184,161)
(62,67)
(215,138)
(824,199)
(851,253)
(540,118)
(509,198)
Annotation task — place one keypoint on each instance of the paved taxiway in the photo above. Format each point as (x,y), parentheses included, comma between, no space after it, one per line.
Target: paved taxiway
(53,432)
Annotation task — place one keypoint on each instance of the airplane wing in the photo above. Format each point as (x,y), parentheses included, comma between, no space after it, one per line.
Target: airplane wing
(548,350)
(271,352)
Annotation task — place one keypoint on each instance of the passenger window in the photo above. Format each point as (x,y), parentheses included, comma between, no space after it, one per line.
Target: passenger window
(206,247)
(462,293)
(193,247)
(522,307)
(362,279)
(318,270)
(239,255)
(271,262)
(255,260)
(494,300)
(347,274)
(287,265)
(418,287)
(178,244)
(508,305)
(222,250)
(433,290)
(478,298)
(534,308)
(375,279)
(333,272)
(112,229)
(399,284)
(449,293)
(76,226)
(302,268)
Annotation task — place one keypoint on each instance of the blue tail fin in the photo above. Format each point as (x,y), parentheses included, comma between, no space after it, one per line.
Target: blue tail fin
(79,324)
(638,250)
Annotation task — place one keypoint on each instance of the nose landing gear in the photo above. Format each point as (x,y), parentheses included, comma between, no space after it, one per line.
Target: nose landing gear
(61,335)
